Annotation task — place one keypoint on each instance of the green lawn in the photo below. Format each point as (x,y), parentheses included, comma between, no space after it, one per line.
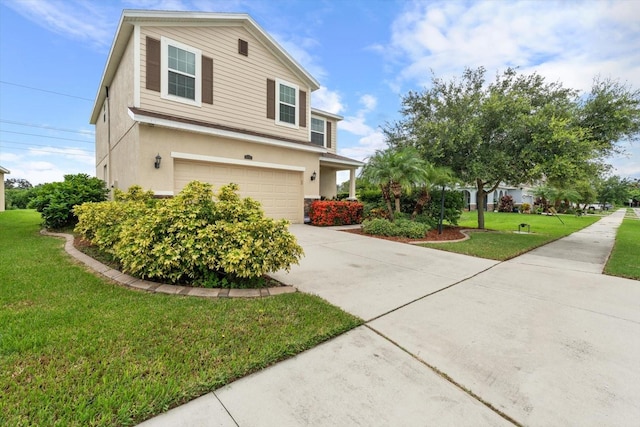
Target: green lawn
(76,350)
(501,243)
(625,257)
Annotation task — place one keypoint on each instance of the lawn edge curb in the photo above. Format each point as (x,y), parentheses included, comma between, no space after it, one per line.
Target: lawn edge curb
(160,288)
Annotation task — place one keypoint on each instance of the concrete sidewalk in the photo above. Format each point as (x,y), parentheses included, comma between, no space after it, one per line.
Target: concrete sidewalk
(542,339)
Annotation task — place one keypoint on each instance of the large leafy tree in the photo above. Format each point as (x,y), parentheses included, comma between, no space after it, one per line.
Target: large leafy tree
(515,129)
(395,171)
(614,190)
(17,183)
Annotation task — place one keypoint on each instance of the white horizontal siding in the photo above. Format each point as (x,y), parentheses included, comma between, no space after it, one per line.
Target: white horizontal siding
(239,82)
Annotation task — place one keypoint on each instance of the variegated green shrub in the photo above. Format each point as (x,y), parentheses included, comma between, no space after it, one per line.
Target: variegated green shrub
(193,238)
(101,223)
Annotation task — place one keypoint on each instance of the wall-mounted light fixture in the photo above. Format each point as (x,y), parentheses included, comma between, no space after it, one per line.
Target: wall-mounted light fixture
(313,176)
(158,160)
(248,157)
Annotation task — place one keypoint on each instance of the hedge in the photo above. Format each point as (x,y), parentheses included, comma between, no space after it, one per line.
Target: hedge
(335,212)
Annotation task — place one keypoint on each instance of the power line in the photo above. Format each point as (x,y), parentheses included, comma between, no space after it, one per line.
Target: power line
(45,90)
(35,145)
(45,136)
(47,127)
(51,152)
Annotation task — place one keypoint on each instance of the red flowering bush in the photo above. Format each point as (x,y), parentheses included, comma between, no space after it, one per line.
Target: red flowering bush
(334,212)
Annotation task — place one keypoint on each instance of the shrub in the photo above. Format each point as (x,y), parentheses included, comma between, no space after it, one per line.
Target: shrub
(192,238)
(55,201)
(333,212)
(453,205)
(18,198)
(101,223)
(399,228)
(525,208)
(370,196)
(506,204)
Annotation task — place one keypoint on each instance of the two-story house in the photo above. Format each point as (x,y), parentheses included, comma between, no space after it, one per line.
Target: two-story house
(212,97)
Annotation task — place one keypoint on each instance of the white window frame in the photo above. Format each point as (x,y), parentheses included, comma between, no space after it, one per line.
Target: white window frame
(324,131)
(164,78)
(297,106)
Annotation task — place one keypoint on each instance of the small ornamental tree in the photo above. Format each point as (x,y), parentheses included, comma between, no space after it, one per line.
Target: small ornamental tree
(505,204)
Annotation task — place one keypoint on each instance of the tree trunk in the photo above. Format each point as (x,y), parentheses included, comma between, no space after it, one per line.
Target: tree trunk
(387,199)
(480,205)
(396,189)
(423,199)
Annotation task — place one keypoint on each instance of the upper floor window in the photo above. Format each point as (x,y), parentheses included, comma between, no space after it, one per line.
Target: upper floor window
(317,131)
(181,72)
(287,102)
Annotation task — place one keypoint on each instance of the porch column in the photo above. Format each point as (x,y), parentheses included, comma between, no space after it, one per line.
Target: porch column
(352,184)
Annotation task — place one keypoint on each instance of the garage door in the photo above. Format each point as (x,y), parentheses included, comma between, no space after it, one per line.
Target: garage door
(279,191)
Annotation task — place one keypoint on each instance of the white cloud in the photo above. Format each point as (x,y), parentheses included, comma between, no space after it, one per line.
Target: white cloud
(299,49)
(366,146)
(327,100)
(75,19)
(566,41)
(369,101)
(356,125)
(48,164)
(69,153)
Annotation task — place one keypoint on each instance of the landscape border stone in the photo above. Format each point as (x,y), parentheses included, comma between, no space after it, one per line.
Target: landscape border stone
(161,288)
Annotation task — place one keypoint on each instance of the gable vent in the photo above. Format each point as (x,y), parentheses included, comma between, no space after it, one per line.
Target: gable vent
(243,47)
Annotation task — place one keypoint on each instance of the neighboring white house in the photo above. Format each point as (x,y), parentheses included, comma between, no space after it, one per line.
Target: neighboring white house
(3,171)
(520,194)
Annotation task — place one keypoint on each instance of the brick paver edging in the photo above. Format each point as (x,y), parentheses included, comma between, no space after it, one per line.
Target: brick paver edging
(145,285)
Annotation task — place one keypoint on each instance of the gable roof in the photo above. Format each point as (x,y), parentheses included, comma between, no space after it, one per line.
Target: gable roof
(3,170)
(131,18)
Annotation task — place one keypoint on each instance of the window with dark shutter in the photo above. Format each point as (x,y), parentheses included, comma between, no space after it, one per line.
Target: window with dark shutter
(153,64)
(271,99)
(328,134)
(243,47)
(302,119)
(207,80)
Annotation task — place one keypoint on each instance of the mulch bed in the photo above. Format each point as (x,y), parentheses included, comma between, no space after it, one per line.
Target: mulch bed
(448,233)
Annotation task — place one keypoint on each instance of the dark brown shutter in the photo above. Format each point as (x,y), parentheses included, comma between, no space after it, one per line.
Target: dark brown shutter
(243,47)
(302,119)
(271,99)
(207,80)
(153,64)
(328,134)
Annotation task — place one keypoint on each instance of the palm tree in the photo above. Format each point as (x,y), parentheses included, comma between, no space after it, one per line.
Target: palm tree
(395,170)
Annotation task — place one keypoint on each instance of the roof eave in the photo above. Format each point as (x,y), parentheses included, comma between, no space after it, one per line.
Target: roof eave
(326,114)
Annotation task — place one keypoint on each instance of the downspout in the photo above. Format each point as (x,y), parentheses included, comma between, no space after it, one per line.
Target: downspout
(109,180)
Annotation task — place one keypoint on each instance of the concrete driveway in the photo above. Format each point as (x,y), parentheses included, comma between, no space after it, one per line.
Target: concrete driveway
(541,340)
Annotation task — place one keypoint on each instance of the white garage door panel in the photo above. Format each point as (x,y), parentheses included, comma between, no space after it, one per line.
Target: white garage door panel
(279,192)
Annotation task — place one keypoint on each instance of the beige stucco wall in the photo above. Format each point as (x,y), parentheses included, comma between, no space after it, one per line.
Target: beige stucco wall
(157,140)
(239,82)
(126,160)
(117,122)
(328,181)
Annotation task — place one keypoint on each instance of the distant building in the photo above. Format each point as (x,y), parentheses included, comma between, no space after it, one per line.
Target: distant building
(3,171)
(520,194)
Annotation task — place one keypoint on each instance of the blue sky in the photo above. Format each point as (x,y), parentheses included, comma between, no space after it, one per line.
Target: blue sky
(365,53)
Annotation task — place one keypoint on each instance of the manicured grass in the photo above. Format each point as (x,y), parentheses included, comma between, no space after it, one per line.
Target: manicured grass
(76,350)
(501,243)
(625,257)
